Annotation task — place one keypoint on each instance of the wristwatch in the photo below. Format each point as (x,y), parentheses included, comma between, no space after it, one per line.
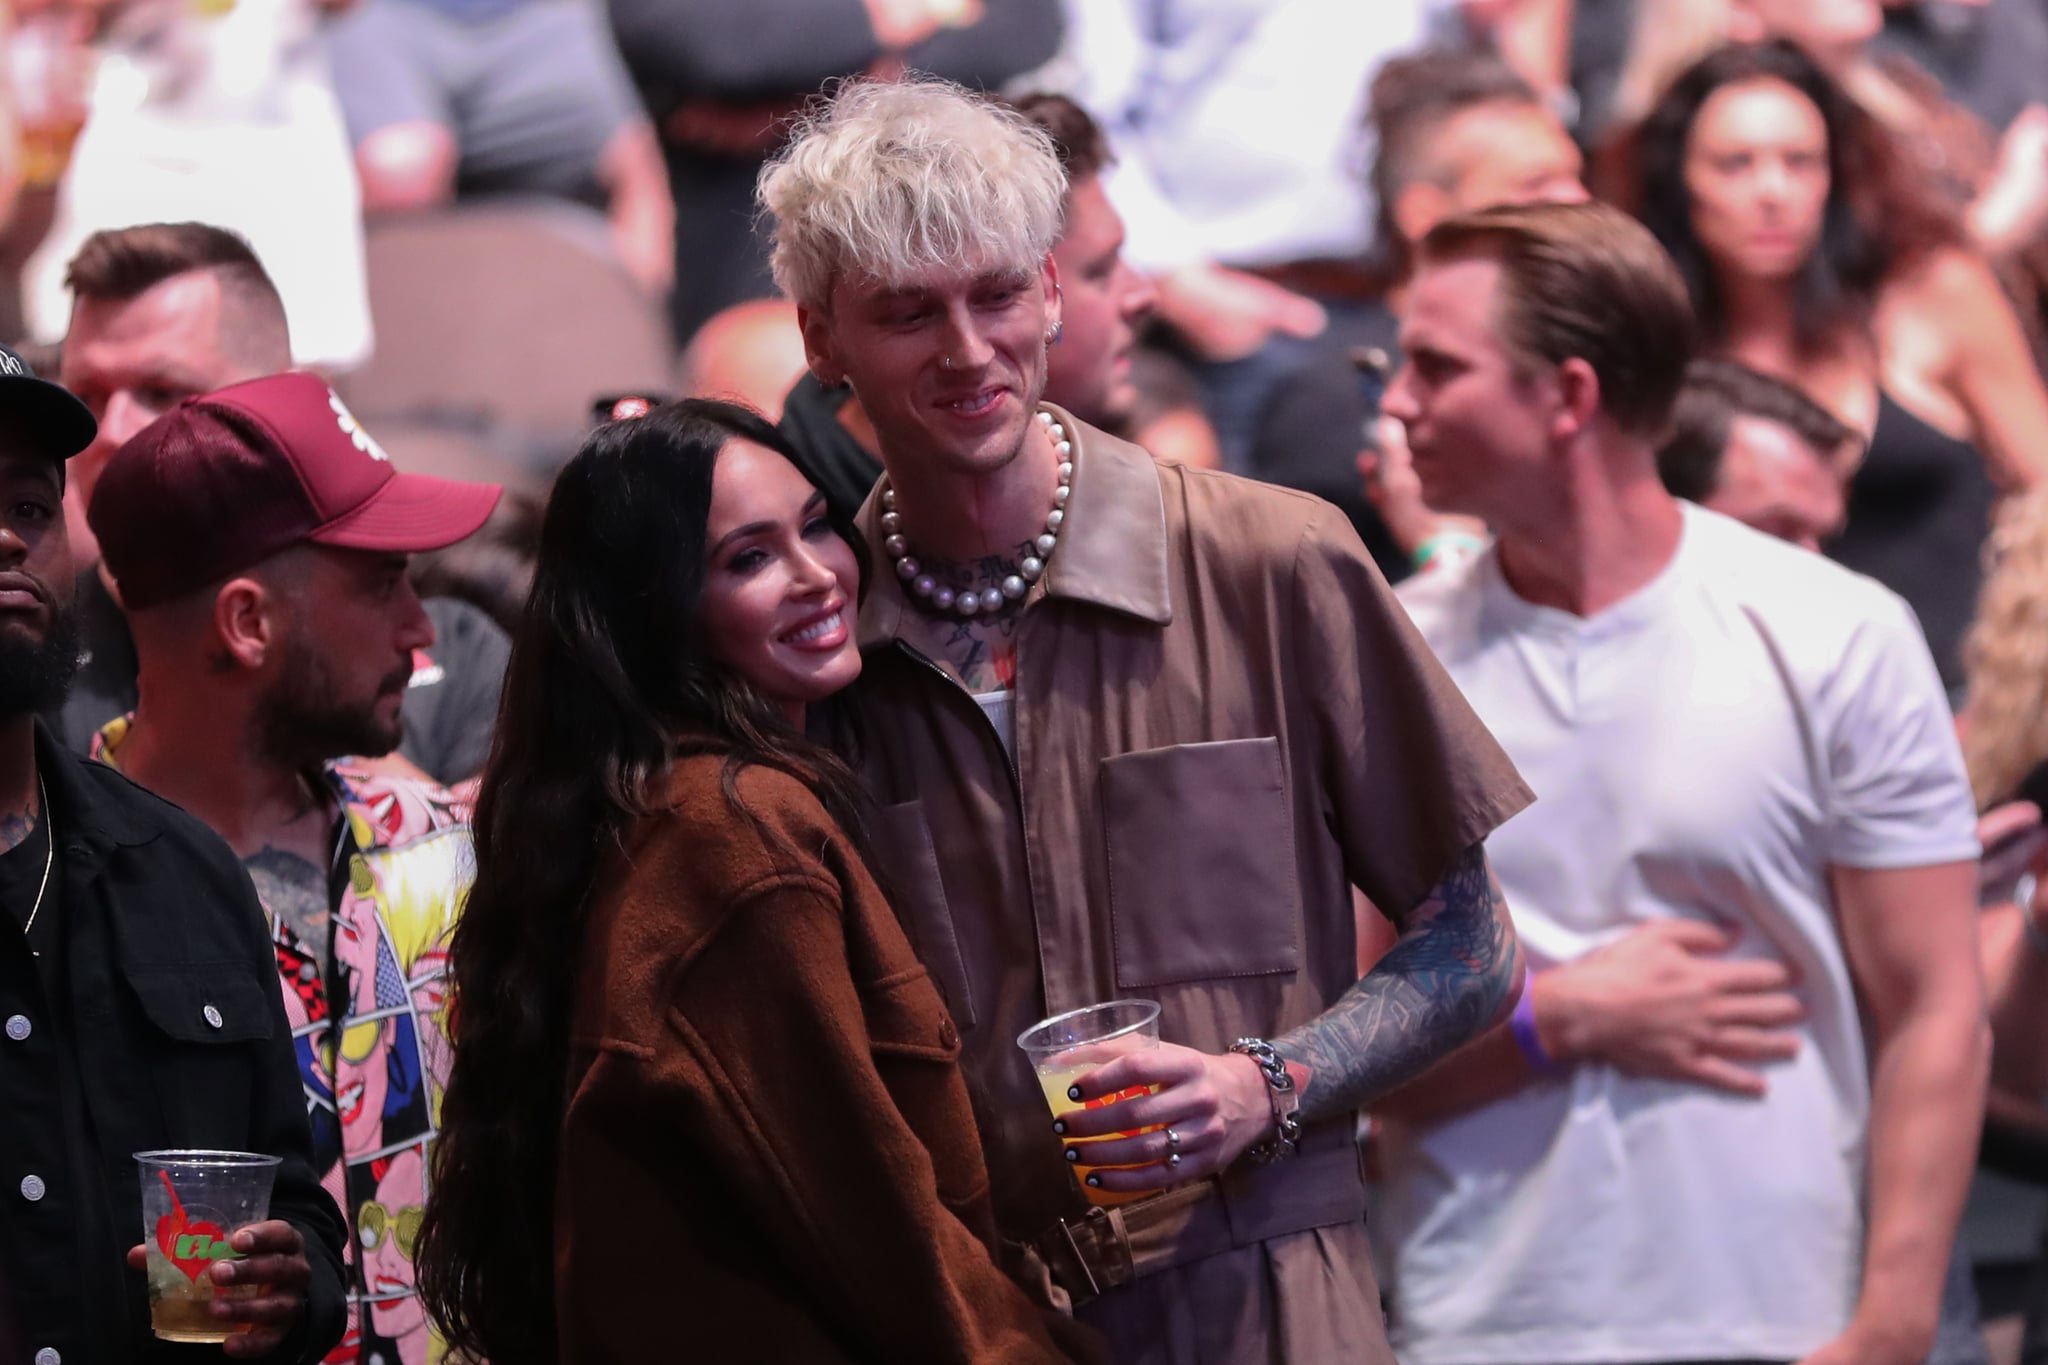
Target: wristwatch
(1286,1101)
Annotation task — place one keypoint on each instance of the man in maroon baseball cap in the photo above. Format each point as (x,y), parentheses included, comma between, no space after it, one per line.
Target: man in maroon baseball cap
(258,538)
(223,482)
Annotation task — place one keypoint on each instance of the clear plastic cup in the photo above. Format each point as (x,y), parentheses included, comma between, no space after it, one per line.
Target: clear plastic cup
(192,1202)
(1068,1046)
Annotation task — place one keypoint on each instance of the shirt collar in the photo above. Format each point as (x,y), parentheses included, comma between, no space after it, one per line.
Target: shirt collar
(90,816)
(1112,551)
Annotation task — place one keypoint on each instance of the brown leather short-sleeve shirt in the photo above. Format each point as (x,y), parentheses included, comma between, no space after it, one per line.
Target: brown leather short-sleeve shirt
(1223,720)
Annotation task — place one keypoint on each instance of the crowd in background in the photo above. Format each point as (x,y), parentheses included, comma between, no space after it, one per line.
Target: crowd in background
(494,224)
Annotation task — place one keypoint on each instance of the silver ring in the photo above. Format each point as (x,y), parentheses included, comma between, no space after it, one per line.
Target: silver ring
(1172,1138)
(1172,1159)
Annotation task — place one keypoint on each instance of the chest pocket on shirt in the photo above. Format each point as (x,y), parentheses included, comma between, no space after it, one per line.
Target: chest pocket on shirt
(210,1023)
(1202,876)
(917,1051)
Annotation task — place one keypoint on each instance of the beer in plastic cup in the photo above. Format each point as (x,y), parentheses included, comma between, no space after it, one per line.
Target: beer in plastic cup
(49,74)
(1068,1046)
(192,1202)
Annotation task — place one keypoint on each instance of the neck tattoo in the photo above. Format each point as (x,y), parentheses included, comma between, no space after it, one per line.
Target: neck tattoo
(1015,580)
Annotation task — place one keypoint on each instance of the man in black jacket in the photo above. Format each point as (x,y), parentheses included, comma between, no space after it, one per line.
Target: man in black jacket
(138,1003)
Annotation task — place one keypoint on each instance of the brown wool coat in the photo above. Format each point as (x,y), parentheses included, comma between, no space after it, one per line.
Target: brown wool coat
(768,1152)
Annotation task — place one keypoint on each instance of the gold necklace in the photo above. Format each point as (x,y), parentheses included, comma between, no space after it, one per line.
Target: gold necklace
(49,857)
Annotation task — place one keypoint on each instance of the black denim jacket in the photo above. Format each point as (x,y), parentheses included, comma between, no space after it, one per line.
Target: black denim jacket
(166,1030)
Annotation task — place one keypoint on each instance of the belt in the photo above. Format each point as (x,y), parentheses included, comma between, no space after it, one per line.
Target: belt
(1108,1247)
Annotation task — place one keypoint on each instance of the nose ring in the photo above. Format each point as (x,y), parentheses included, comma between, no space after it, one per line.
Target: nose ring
(945,362)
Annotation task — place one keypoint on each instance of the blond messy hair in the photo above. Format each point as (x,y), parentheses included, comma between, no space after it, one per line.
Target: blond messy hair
(2004,722)
(885,179)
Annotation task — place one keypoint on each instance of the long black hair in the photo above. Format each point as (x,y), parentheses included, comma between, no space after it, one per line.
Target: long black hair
(1873,222)
(608,683)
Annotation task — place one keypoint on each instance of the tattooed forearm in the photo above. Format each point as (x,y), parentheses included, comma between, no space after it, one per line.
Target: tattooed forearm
(1441,985)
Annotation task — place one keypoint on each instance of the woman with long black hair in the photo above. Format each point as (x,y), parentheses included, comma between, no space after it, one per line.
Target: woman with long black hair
(1814,256)
(705,1104)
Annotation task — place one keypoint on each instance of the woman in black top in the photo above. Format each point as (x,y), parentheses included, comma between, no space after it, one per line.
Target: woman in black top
(1811,257)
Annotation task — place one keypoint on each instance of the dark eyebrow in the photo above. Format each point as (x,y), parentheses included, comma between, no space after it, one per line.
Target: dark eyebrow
(752,528)
(755,528)
(36,469)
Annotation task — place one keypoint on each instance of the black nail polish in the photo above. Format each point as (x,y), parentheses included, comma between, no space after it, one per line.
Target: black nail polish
(1073,1154)
(1093,1182)
(1060,1126)
(1073,1092)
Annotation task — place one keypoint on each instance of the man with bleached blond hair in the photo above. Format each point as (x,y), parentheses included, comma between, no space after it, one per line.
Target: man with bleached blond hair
(1135,731)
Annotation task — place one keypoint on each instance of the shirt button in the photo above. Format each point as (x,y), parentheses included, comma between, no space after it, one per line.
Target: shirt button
(48,1356)
(18,1027)
(212,1016)
(32,1188)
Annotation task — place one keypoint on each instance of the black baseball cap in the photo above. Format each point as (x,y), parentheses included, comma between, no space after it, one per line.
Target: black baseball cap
(48,417)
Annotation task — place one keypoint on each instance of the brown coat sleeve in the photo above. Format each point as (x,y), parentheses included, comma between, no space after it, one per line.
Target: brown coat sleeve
(769,1074)
(1412,776)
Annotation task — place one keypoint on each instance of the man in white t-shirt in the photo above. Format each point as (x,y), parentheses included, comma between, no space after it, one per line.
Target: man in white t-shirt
(1733,740)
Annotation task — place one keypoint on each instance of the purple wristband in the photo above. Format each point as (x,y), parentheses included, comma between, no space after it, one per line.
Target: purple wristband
(1522,1023)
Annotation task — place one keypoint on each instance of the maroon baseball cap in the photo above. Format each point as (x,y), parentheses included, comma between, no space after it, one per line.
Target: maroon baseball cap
(222,482)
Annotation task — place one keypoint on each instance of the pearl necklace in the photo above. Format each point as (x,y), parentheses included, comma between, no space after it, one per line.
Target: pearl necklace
(967,605)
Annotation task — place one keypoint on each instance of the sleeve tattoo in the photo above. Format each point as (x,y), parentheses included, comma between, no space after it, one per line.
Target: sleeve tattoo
(1440,986)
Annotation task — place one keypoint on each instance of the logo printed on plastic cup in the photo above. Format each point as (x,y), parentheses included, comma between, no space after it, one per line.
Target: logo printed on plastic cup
(192,1247)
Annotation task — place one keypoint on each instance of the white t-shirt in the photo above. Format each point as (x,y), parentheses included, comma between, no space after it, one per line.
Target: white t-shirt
(1704,749)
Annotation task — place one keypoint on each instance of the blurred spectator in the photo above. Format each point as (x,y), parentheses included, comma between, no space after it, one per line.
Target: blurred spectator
(749,353)
(1991,56)
(483,97)
(1455,131)
(2004,721)
(1811,256)
(2004,726)
(491,570)
(169,311)
(1240,134)
(1090,367)
(1168,420)
(723,78)
(1995,174)
(161,312)
(222,112)
(1756,449)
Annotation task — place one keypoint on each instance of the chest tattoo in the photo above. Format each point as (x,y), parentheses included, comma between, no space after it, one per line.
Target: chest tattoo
(982,651)
(15,827)
(295,891)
